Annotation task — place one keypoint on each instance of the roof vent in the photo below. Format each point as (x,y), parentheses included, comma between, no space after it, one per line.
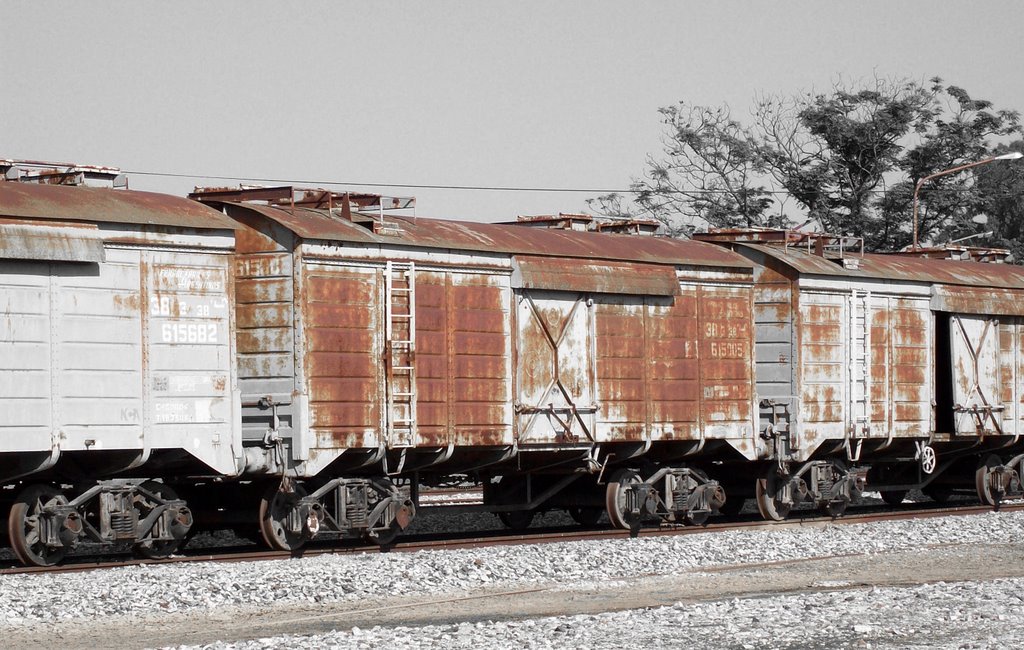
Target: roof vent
(367,210)
(838,248)
(963,254)
(58,173)
(587,223)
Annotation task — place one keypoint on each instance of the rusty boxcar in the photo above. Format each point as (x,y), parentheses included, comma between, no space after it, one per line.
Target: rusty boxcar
(904,363)
(304,360)
(400,347)
(116,341)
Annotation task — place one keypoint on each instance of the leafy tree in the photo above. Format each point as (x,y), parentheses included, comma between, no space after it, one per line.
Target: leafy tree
(848,159)
(832,152)
(1001,187)
(957,130)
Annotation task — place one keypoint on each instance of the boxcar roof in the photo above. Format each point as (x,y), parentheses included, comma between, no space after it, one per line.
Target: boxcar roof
(900,268)
(99,204)
(510,239)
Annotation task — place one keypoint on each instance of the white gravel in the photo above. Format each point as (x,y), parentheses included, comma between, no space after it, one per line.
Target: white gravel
(140,590)
(959,615)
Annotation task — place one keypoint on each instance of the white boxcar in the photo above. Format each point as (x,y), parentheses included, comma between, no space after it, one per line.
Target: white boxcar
(116,350)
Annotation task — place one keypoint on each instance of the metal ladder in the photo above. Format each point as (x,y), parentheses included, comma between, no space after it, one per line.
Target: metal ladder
(860,359)
(400,318)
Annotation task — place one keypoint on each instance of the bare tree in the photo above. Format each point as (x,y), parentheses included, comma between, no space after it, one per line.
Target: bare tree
(706,176)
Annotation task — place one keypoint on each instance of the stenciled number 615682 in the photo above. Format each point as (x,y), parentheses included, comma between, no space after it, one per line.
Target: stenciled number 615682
(189,332)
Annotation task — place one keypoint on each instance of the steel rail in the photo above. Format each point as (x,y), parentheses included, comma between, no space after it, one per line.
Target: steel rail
(412,544)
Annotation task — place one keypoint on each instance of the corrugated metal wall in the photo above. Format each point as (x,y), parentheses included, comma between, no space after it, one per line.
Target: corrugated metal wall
(342,316)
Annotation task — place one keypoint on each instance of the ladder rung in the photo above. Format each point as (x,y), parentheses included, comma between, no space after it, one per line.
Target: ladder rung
(401,367)
(401,342)
(401,421)
(402,394)
(400,290)
(393,315)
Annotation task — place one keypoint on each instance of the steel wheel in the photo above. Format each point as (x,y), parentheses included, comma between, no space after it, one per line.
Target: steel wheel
(893,497)
(835,508)
(24,526)
(697,518)
(152,549)
(518,519)
(586,515)
(615,496)
(982,483)
(938,493)
(769,504)
(384,537)
(732,506)
(275,506)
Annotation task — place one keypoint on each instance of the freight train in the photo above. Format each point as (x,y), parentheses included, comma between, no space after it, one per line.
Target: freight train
(301,363)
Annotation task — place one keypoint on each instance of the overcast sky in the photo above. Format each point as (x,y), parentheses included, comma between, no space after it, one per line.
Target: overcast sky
(523,94)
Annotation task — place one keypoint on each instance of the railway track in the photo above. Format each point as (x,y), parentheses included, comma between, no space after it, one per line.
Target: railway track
(414,543)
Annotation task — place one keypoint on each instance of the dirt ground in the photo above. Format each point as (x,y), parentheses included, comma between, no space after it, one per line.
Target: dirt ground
(946,563)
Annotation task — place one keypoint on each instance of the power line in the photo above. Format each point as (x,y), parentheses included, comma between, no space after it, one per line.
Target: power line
(492,188)
(483,188)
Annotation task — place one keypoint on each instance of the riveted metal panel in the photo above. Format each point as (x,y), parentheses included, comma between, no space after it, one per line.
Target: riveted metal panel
(626,278)
(555,371)
(31,242)
(187,307)
(977,404)
(724,316)
(434,367)
(776,352)
(676,368)
(105,205)
(264,335)
(623,368)
(480,353)
(470,237)
(25,346)
(343,337)
(901,380)
(132,354)
(978,300)
(823,367)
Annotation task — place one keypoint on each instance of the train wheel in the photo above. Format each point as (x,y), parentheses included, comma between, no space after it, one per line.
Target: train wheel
(615,497)
(383,536)
(768,493)
(155,550)
(732,506)
(835,508)
(698,518)
(275,508)
(518,519)
(982,482)
(938,493)
(25,526)
(586,516)
(893,497)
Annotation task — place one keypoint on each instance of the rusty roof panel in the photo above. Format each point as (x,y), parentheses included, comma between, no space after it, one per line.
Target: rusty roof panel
(901,268)
(628,278)
(315,224)
(508,239)
(97,204)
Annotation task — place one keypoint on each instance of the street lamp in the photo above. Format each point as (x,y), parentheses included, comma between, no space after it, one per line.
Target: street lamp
(1006,156)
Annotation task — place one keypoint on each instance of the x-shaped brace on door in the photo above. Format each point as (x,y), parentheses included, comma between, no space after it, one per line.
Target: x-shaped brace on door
(985,410)
(556,381)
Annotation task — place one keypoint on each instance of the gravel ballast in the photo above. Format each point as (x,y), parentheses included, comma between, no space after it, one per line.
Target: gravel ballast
(960,615)
(149,590)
